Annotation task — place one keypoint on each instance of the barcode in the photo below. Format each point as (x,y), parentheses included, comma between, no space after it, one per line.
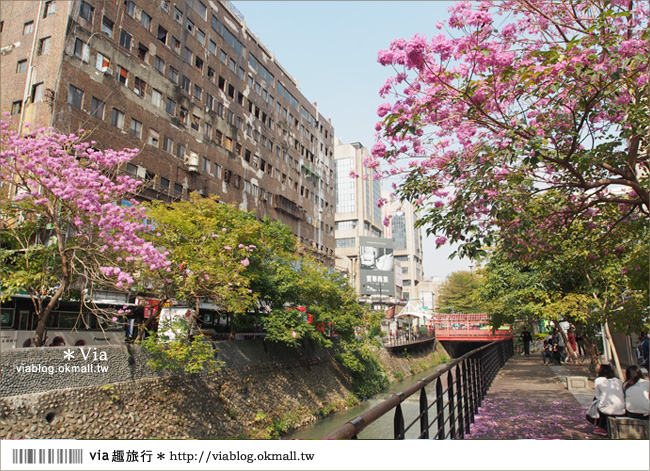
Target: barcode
(48,456)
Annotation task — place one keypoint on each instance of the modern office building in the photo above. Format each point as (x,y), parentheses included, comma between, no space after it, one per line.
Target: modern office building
(362,250)
(407,244)
(186,82)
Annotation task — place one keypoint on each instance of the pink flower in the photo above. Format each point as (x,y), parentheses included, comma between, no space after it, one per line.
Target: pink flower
(245,262)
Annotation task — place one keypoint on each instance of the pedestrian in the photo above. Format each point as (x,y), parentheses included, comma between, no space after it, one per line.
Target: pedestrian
(558,341)
(645,347)
(580,341)
(547,352)
(637,393)
(608,392)
(527,338)
(571,338)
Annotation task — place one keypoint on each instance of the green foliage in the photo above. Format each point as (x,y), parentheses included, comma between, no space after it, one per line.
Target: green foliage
(206,245)
(171,348)
(458,293)
(368,377)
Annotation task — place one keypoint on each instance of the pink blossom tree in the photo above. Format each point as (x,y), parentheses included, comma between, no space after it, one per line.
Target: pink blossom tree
(519,98)
(65,230)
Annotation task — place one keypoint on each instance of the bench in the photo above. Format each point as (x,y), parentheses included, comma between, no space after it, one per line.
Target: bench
(626,428)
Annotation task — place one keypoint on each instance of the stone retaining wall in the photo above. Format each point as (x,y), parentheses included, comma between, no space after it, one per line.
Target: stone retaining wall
(260,386)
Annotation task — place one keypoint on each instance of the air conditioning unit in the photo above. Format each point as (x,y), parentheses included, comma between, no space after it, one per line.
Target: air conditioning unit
(141,172)
(191,159)
(108,71)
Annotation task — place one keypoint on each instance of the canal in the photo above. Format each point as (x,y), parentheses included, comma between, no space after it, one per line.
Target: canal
(381,428)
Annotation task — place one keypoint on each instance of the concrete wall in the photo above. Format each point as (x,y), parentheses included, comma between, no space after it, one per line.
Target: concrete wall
(260,385)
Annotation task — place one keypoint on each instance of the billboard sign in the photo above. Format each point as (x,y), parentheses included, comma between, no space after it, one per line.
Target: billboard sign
(377,266)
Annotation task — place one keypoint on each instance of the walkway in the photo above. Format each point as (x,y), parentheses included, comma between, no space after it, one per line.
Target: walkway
(529,400)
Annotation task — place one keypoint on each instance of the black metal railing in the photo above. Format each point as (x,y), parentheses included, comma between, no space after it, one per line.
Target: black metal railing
(454,404)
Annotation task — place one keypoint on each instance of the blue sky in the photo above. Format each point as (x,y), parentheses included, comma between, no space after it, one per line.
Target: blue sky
(331,48)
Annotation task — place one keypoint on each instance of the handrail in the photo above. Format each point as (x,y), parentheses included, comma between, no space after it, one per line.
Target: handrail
(468,379)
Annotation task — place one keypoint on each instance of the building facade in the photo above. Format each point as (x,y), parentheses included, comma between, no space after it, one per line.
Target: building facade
(186,82)
(407,244)
(362,250)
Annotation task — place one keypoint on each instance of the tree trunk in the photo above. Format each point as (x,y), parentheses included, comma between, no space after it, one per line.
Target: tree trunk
(41,331)
(617,363)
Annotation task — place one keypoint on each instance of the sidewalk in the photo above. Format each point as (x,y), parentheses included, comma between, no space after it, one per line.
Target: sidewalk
(529,400)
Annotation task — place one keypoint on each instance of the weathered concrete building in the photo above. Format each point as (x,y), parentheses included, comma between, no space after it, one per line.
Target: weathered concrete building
(188,84)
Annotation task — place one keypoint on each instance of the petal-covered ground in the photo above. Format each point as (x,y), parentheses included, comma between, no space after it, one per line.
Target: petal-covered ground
(527,401)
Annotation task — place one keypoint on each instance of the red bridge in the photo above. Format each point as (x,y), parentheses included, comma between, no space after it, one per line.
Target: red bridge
(468,327)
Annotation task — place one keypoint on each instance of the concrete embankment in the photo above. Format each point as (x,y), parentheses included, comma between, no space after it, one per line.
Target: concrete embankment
(263,390)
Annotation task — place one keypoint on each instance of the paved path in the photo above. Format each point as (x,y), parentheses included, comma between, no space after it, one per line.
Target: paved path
(529,400)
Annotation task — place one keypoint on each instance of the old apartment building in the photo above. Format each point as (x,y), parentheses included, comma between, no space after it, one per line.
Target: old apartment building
(187,83)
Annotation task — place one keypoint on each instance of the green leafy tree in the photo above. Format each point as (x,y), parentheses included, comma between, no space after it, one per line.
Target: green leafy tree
(458,293)
(205,244)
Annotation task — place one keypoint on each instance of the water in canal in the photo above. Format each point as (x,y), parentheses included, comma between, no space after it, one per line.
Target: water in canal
(381,428)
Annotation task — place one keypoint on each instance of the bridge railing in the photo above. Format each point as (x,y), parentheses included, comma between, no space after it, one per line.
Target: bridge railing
(450,411)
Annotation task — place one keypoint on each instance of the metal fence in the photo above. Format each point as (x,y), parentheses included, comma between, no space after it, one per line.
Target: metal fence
(451,409)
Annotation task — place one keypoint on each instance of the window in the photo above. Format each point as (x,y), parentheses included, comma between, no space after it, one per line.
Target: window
(50,8)
(178,188)
(156,98)
(75,96)
(189,25)
(198,92)
(210,74)
(21,66)
(86,11)
(130,8)
(136,128)
(44,46)
(164,4)
(222,83)
(28,28)
(103,63)
(170,106)
(173,74)
(198,63)
(178,15)
(240,73)
(220,109)
(180,150)
(185,84)
(209,101)
(168,145)
(223,57)
(117,118)
(143,52)
(176,44)
(207,131)
(37,92)
(107,26)
(122,75)
(232,65)
(230,117)
(187,55)
(125,40)
(205,165)
(145,21)
(183,115)
(216,170)
(212,47)
(154,140)
(160,65)
(162,34)
(195,122)
(228,143)
(81,50)
(200,36)
(16,107)
(139,87)
(97,108)
(164,183)
(200,8)
(231,91)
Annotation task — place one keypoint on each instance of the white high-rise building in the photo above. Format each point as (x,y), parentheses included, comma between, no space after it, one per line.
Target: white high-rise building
(407,244)
(361,248)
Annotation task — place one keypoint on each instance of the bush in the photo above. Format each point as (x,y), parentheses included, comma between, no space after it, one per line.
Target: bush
(368,377)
